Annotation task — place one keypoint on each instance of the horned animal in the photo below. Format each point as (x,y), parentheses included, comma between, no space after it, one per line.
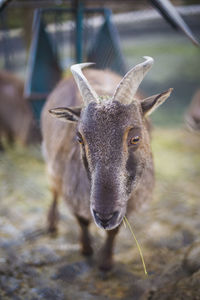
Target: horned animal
(16,119)
(100,161)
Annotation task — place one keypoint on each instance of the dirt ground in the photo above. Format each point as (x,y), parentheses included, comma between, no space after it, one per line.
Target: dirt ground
(34,265)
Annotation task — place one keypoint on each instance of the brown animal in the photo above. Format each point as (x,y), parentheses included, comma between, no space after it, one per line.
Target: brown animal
(100,161)
(16,119)
(192,116)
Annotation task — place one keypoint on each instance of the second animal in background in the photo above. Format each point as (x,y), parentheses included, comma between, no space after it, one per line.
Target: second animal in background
(16,118)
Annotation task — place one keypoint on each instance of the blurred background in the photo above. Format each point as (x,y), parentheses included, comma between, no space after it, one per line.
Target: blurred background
(141,30)
(39,40)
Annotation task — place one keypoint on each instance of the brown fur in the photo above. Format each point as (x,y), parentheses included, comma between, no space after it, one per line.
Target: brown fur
(16,119)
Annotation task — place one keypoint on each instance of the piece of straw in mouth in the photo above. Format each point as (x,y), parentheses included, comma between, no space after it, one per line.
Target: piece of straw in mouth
(125,221)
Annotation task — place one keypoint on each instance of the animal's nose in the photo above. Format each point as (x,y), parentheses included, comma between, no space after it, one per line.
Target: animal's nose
(105,219)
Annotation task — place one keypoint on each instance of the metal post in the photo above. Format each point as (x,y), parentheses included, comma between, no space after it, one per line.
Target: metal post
(7,51)
(79,31)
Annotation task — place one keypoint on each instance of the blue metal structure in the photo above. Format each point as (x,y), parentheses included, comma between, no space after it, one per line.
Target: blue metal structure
(79,31)
(43,67)
(107,41)
(44,70)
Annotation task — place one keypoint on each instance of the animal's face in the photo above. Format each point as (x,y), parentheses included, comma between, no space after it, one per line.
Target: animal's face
(111,139)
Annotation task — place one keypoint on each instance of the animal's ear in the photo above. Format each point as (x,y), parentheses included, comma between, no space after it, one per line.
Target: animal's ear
(71,114)
(151,103)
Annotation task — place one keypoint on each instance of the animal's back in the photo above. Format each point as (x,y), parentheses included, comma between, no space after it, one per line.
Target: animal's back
(16,119)
(11,89)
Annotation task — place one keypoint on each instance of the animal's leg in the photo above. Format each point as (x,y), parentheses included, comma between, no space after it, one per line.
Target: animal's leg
(9,137)
(106,261)
(1,145)
(85,236)
(53,214)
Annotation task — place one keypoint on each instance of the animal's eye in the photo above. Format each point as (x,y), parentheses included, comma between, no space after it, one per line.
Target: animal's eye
(79,138)
(135,140)
(134,137)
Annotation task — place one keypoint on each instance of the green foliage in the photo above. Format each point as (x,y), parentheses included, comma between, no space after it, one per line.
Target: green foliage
(177,65)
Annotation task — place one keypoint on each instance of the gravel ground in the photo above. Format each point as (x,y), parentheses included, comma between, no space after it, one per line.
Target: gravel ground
(34,265)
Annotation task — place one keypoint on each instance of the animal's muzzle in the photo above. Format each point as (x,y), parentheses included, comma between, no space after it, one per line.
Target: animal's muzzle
(107,221)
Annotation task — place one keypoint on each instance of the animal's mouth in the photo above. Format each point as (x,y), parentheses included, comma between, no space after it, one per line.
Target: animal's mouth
(107,222)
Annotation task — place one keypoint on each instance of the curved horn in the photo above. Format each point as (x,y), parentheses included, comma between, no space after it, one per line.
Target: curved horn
(87,92)
(129,84)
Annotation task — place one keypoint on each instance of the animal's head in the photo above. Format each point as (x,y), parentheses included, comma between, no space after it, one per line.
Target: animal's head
(114,140)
